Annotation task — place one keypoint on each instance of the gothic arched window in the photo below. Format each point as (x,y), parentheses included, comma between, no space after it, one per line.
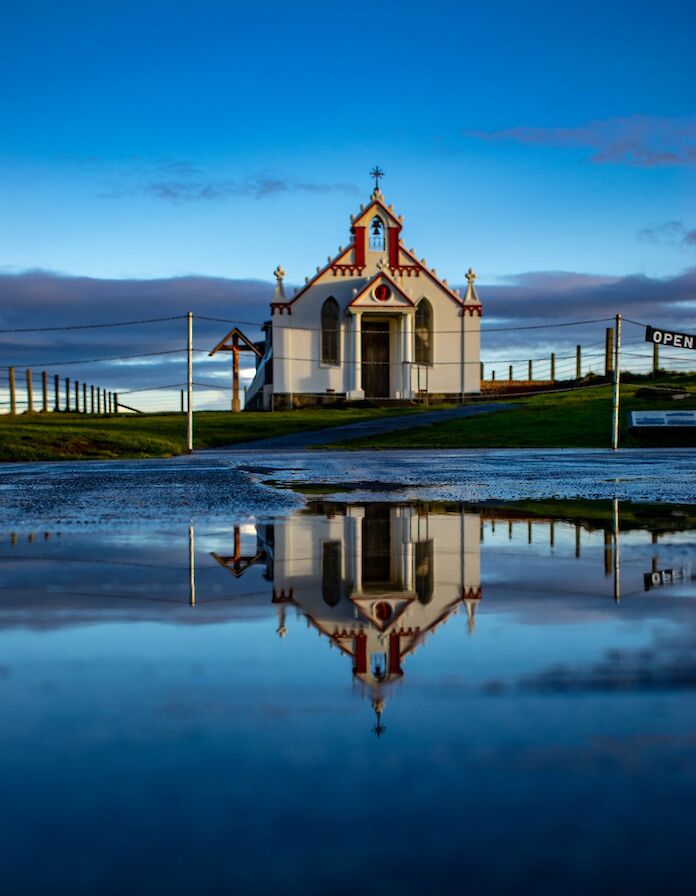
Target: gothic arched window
(424,571)
(377,234)
(330,351)
(424,332)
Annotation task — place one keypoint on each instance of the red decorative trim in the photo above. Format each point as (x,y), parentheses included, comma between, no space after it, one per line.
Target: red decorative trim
(395,654)
(471,594)
(283,596)
(394,246)
(370,283)
(350,269)
(281,307)
(407,269)
(376,203)
(435,279)
(360,667)
(472,310)
(359,245)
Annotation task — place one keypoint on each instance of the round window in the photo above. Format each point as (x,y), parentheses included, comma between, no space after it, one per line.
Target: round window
(382,292)
(383,611)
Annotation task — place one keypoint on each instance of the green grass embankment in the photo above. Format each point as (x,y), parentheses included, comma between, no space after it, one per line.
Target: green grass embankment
(66,436)
(576,419)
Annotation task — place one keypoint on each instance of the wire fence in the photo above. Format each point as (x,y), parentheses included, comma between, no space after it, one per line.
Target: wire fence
(40,377)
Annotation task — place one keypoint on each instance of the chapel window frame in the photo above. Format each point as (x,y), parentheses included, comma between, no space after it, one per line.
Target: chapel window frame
(330,335)
(423,349)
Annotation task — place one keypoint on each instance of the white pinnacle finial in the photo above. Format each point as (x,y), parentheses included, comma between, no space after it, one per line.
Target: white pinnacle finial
(279,291)
(471,276)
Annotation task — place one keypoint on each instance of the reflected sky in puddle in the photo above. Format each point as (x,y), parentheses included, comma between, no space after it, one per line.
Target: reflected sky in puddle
(357,697)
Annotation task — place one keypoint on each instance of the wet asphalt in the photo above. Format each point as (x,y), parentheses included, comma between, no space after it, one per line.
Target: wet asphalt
(255,483)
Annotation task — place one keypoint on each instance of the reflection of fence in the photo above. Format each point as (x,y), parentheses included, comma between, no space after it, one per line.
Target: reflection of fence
(153,377)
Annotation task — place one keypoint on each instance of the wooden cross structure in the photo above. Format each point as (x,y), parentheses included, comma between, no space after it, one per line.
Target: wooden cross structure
(235,342)
(238,564)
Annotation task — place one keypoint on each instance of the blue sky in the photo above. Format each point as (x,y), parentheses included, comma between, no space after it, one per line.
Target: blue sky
(148,141)
(116,117)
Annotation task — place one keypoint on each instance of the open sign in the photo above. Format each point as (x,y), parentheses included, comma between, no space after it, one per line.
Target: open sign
(668,337)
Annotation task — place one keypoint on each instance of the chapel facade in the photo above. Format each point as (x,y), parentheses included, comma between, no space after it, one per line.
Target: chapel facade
(375,322)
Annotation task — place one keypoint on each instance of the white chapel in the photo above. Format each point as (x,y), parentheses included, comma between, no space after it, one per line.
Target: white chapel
(375,322)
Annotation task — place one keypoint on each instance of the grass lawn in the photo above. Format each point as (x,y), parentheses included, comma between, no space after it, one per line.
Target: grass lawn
(77,437)
(577,419)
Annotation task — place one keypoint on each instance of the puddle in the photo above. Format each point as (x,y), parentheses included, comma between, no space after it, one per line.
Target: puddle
(468,674)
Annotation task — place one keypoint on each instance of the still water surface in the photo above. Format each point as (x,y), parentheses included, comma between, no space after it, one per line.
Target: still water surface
(366,698)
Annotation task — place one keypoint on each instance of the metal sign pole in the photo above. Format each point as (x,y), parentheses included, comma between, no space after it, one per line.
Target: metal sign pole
(189,356)
(617,375)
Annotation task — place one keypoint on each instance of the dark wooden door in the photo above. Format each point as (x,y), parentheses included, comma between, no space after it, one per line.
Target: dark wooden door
(375,358)
(376,547)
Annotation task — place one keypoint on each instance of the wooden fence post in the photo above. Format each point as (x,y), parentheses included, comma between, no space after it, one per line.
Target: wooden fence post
(110,405)
(530,371)
(553,367)
(578,362)
(182,401)
(77,397)
(609,352)
(44,391)
(656,358)
(493,376)
(30,393)
(91,400)
(84,398)
(13,395)
(56,392)
(67,394)
(115,402)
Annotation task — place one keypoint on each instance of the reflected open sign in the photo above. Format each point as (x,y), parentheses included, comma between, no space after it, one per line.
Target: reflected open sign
(663,577)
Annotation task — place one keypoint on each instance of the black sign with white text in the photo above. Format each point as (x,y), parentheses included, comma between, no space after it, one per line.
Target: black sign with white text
(667,337)
(664,577)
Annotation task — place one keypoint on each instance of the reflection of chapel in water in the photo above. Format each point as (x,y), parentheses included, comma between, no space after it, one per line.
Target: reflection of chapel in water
(376,578)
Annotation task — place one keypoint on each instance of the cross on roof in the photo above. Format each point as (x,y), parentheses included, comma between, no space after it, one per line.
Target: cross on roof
(376,173)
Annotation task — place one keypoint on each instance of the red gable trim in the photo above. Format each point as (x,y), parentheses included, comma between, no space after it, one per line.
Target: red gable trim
(428,273)
(370,283)
(313,280)
(376,203)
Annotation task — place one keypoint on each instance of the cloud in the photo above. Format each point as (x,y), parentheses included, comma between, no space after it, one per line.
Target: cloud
(539,298)
(49,299)
(642,141)
(182,182)
(668,233)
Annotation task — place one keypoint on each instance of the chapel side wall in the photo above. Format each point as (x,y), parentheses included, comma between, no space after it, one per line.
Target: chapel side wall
(444,375)
(300,333)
